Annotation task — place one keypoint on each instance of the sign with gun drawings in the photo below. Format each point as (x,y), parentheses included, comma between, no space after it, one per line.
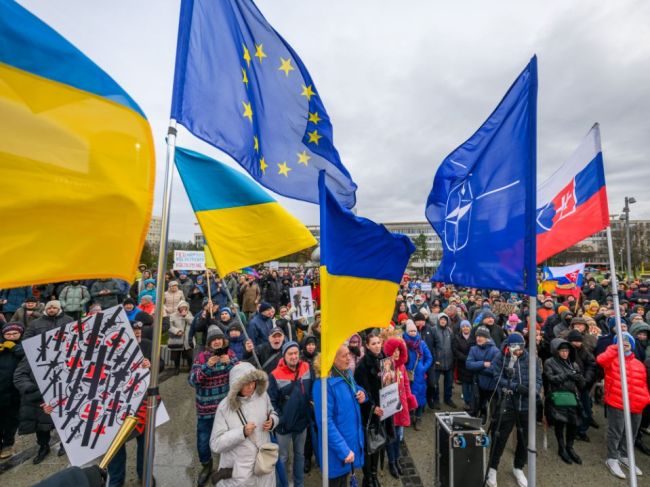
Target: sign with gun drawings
(91,373)
(301,302)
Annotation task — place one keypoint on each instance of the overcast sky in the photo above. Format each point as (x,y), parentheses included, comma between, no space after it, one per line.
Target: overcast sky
(406,82)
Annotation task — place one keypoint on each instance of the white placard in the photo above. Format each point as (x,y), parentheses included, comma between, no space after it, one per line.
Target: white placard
(301,302)
(189,260)
(426,286)
(274,265)
(91,373)
(389,400)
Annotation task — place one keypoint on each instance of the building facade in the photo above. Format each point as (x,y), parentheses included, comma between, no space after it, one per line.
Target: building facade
(155,230)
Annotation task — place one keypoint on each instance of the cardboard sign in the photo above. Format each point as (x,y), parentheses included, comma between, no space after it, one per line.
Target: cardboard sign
(189,260)
(91,372)
(301,302)
(389,400)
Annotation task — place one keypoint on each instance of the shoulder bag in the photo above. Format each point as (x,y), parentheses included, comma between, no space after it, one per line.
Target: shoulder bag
(267,453)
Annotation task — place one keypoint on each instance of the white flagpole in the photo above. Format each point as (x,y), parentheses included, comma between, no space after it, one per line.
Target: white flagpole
(621,358)
(152,392)
(532,391)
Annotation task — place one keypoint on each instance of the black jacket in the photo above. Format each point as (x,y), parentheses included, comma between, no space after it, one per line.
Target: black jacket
(266,355)
(563,376)
(10,357)
(461,348)
(46,323)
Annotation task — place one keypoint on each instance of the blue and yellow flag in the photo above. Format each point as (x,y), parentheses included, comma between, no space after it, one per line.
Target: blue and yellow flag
(362,264)
(76,161)
(241,223)
(240,87)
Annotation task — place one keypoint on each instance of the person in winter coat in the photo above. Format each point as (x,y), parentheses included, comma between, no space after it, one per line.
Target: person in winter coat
(211,380)
(11,353)
(419,361)
(344,425)
(130,308)
(243,423)
(196,296)
(147,305)
(461,346)
(173,296)
(565,381)
(604,341)
(203,320)
(29,311)
(105,292)
(272,289)
(580,325)
(356,351)
(33,417)
(236,339)
(149,290)
(479,361)
(12,299)
(74,299)
(510,373)
(587,365)
(261,324)
(227,317)
(425,329)
(368,376)
(290,391)
(185,284)
(309,348)
(179,342)
(639,397)
(488,321)
(640,331)
(395,349)
(443,360)
(250,296)
(268,353)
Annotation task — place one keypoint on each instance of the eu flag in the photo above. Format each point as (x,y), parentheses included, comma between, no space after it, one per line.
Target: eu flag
(239,86)
(482,204)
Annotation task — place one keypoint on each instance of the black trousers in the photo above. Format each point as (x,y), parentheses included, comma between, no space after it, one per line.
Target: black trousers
(509,421)
(341,481)
(8,424)
(186,354)
(43,438)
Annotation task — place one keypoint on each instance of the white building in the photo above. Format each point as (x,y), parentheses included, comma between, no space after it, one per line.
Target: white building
(155,230)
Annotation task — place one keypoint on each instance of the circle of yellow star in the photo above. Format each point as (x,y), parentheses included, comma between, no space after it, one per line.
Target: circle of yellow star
(286,66)
(308,92)
(283,169)
(303,158)
(263,165)
(247,56)
(259,52)
(314,118)
(248,111)
(314,137)
(256,143)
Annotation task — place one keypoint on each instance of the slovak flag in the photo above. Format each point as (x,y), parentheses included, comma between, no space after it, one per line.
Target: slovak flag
(568,279)
(572,203)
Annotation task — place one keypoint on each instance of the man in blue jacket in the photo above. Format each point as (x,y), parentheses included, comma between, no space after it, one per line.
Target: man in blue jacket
(479,360)
(261,324)
(344,425)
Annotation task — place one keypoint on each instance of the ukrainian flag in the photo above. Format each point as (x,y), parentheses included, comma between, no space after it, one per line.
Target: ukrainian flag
(362,265)
(76,161)
(241,223)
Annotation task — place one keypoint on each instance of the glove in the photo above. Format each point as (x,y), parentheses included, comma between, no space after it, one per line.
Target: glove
(522,390)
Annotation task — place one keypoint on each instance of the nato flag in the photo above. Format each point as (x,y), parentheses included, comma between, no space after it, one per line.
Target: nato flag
(241,88)
(482,204)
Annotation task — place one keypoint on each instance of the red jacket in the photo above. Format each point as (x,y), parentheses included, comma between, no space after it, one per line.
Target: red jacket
(401,417)
(637,387)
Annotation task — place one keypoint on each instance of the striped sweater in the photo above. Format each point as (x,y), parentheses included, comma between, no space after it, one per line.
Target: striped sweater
(211,383)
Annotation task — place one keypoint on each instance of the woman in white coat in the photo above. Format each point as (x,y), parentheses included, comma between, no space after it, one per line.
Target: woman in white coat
(237,439)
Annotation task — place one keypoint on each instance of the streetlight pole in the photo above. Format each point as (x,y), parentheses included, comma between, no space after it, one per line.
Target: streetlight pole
(628,201)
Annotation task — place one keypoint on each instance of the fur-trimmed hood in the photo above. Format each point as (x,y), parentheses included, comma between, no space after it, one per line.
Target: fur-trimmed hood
(241,374)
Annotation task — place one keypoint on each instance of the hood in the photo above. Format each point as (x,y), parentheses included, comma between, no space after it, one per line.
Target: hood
(241,374)
(443,315)
(563,317)
(149,281)
(392,344)
(556,342)
(637,327)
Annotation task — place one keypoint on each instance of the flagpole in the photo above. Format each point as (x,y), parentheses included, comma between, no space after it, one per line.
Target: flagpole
(325,468)
(532,391)
(152,392)
(621,359)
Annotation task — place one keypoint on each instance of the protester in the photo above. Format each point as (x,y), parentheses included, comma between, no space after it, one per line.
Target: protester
(11,353)
(30,310)
(12,299)
(210,379)
(268,353)
(242,424)
(290,392)
(105,292)
(149,290)
(261,324)
(173,296)
(479,361)
(443,360)
(250,296)
(345,440)
(179,342)
(461,346)
(74,298)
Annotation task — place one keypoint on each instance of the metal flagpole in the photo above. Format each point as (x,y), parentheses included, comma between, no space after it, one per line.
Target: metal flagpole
(152,392)
(325,468)
(532,391)
(621,358)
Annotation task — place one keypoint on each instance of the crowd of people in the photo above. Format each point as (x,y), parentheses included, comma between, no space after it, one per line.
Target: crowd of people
(253,362)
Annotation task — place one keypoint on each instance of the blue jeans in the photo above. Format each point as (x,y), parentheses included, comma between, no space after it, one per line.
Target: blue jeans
(468,392)
(448,379)
(298,440)
(117,467)
(392,449)
(203,432)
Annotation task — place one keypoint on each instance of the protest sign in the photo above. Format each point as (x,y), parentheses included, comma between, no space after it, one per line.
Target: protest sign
(91,372)
(189,260)
(389,400)
(426,286)
(274,265)
(301,302)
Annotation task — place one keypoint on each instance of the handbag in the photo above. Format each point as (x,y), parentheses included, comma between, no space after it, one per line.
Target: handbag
(564,399)
(267,453)
(375,436)
(411,373)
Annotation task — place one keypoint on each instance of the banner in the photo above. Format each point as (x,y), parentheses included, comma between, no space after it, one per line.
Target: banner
(389,393)
(189,260)
(91,373)
(301,301)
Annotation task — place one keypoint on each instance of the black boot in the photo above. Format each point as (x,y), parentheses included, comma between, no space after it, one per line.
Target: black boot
(561,451)
(61,451)
(392,469)
(399,467)
(307,468)
(572,454)
(204,475)
(416,420)
(43,451)
(374,462)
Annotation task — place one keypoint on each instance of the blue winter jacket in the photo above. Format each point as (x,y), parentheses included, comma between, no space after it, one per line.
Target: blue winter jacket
(259,327)
(15,298)
(479,354)
(519,399)
(344,424)
(419,383)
